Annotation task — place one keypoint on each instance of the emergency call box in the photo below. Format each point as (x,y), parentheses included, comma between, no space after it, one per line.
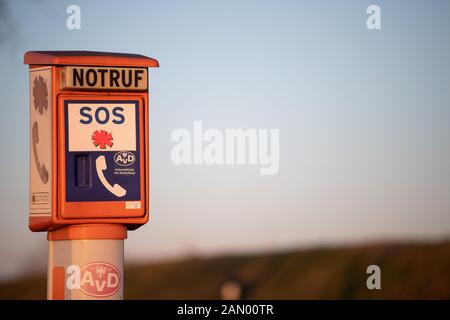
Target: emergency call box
(89,148)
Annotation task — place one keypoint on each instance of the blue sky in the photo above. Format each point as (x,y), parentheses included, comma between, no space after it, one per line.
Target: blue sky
(363,116)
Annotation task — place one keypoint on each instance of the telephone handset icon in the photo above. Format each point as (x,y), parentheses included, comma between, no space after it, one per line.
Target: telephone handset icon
(42,170)
(116,189)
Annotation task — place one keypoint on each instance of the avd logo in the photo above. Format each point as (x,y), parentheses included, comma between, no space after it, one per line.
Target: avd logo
(98,279)
(124,158)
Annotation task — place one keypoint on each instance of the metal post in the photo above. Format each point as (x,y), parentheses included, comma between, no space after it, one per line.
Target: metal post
(85,262)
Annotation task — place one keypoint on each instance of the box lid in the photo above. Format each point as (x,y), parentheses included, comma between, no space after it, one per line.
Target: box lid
(88,58)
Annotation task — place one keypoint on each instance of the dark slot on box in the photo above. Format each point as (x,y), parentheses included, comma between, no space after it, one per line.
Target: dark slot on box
(83,171)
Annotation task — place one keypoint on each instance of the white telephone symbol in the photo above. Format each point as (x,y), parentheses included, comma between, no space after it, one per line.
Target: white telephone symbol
(116,189)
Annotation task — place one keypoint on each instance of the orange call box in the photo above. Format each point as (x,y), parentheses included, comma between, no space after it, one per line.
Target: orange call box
(89,148)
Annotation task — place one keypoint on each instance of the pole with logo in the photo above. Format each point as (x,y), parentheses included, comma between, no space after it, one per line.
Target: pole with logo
(89,165)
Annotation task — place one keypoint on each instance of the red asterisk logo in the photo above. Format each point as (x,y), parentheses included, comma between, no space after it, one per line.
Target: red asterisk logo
(102,138)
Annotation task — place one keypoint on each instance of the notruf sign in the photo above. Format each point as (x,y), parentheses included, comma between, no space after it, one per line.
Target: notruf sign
(101,78)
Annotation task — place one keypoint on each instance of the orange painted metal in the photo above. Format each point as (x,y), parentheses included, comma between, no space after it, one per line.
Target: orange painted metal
(88,58)
(91,231)
(66,213)
(109,209)
(58,283)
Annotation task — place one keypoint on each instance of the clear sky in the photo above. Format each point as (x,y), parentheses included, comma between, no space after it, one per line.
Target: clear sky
(364,119)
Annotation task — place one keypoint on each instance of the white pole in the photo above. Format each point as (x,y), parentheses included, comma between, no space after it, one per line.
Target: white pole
(85,262)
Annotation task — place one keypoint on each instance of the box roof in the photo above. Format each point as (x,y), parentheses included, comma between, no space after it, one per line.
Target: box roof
(88,58)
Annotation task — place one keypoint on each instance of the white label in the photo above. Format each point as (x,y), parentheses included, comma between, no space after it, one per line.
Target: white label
(102,126)
(40,197)
(132,205)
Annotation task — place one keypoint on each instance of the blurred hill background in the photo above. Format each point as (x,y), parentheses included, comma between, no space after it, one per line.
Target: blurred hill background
(408,271)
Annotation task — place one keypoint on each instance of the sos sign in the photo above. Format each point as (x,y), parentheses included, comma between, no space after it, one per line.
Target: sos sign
(102,144)
(102,115)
